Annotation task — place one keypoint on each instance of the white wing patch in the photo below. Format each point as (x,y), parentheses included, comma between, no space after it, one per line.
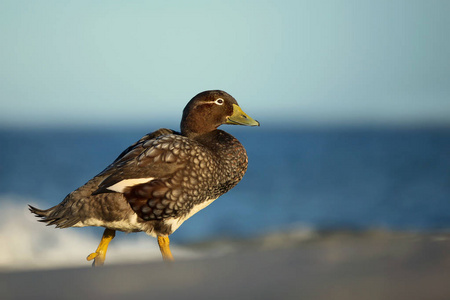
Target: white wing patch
(122,185)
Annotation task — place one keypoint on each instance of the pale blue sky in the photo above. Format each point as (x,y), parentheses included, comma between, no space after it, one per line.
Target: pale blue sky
(80,63)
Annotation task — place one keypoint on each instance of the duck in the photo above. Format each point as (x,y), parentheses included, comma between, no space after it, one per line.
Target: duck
(163,179)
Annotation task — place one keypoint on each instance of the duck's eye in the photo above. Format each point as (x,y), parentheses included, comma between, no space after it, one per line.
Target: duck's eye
(219,101)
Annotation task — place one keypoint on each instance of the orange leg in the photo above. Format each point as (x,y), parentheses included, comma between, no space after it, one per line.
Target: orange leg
(99,255)
(163,242)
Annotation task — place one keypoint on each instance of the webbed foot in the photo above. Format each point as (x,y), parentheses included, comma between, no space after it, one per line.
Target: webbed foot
(100,254)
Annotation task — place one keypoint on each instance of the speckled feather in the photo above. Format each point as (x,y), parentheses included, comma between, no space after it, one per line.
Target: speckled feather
(186,172)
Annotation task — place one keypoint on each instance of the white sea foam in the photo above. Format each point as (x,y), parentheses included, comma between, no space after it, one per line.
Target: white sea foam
(28,244)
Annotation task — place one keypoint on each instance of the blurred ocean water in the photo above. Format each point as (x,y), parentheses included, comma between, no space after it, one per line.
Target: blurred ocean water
(316,179)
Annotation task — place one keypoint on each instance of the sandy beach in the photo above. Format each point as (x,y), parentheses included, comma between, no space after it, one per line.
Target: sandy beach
(326,265)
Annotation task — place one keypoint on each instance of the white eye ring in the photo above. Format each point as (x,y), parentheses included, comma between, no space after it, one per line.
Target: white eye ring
(219,101)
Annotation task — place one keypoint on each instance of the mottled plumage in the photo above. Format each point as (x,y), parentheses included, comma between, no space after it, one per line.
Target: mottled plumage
(164,178)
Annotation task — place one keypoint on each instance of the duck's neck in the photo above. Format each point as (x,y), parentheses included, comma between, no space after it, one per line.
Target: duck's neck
(195,128)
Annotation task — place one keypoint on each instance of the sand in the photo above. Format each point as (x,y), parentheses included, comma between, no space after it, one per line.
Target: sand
(327,265)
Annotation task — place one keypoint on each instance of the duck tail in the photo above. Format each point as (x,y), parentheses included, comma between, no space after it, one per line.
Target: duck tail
(55,215)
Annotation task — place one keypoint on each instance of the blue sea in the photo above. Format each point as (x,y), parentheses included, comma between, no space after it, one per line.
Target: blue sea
(308,178)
